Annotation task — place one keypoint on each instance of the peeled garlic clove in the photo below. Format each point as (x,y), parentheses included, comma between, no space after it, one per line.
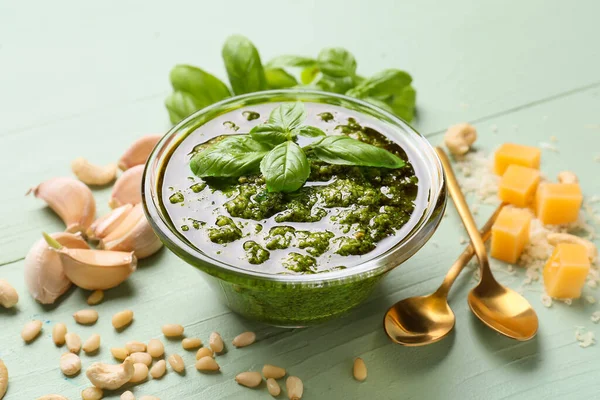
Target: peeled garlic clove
(138,152)
(44,275)
(128,188)
(94,269)
(104,225)
(71,199)
(134,234)
(91,174)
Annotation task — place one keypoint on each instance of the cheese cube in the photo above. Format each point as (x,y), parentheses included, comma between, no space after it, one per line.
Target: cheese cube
(510,234)
(516,154)
(566,271)
(518,185)
(558,203)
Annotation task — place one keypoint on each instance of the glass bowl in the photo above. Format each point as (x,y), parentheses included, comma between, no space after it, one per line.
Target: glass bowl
(300,300)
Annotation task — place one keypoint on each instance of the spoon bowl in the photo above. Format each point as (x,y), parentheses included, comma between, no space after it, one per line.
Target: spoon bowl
(503,310)
(419,320)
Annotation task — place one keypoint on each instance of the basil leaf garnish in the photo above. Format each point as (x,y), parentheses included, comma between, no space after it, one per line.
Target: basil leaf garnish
(231,157)
(277,78)
(404,103)
(309,131)
(244,68)
(288,115)
(343,150)
(291,61)
(206,88)
(285,168)
(385,83)
(270,133)
(180,105)
(337,62)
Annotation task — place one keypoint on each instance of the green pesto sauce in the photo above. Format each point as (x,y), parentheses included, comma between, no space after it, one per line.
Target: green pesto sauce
(341,214)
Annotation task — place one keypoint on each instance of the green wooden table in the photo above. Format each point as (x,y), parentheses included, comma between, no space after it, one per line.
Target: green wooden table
(86,78)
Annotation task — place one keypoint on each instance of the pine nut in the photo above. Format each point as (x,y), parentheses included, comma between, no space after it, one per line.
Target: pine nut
(31,330)
(120,353)
(58,334)
(176,363)
(143,358)
(73,342)
(122,319)
(215,341)
(204,352)
(273,387)
(249,379)
(8,295)
(92,344)
(134,346)
(207,364)
(191,343)
(158,369)
(96,297)
(172,330)
(295,387)
(70,364)
(3,379)
(140,373)
(86,317)
(127,396)
(244,339)
(359,370)
(155,348)
(271,371)
(92,393)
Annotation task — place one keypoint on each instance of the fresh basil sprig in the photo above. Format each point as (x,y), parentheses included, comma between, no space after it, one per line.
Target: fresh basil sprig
(333,70)
(272,147)
(285,123)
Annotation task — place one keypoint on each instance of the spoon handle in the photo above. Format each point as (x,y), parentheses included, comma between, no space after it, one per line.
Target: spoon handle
(465,214)
(466,255)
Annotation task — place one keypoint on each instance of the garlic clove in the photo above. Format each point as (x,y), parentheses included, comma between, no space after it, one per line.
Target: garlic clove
(104,225)
(71,199)
(128,188)
(138,152)
(44,275)
(133,235)
(92,174)
(94,269)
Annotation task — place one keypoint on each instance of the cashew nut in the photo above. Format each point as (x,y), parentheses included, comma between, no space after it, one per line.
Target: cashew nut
(567,177)
(8,295)
(110,376)
(556,238)
(3,379)
(91,174)
(459,138)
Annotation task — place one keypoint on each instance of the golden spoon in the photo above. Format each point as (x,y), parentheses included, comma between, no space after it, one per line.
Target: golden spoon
(499,307)
(422,320)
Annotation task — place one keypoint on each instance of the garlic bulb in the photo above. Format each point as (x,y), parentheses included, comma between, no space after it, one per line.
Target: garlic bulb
(44,275)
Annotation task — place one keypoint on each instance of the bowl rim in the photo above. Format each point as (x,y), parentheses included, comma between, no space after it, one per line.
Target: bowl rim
(410,243)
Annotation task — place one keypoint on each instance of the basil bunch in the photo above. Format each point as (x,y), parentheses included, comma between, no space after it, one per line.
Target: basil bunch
(334,70)
(272,149)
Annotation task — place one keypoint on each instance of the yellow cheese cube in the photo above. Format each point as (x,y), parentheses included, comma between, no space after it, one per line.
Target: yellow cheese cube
(558,203)
(518,185)
(566,270)
(510,234)
(516,154)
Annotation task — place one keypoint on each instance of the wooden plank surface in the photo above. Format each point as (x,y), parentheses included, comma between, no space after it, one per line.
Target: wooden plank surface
(87,78)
